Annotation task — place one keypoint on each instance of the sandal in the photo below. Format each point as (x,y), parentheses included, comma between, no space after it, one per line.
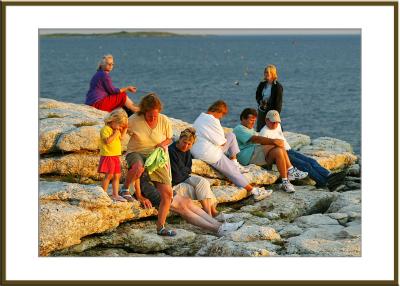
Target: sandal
(127,196)
(166,232)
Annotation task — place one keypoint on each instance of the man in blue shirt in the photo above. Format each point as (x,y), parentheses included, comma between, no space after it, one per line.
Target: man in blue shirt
(258,150)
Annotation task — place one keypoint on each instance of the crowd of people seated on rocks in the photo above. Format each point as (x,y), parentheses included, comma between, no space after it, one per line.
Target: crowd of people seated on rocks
(159,170)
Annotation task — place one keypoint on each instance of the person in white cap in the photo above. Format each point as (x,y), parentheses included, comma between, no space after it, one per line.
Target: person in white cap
(319,174)
(258,150)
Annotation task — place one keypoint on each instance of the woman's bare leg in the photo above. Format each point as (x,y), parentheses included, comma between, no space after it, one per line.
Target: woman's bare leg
(206,204)
(165,203)
(200,212)
(133,174)
(214,211)
(181,206)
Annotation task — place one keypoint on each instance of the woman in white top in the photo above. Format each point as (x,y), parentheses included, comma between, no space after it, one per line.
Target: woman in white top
(214,147)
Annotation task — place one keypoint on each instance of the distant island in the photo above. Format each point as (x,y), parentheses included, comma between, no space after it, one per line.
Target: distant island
(118,34)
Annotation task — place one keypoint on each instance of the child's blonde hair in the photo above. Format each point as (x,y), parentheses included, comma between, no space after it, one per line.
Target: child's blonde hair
(117,115)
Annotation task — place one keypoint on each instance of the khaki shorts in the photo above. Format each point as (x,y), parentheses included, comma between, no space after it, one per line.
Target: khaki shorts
(161,175)
(195,188)
(259,154)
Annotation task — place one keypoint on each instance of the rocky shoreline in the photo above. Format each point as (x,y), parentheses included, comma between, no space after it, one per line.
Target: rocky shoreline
(78,219)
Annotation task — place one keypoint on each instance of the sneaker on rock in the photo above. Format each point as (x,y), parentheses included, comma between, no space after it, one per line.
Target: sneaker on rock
(296,174)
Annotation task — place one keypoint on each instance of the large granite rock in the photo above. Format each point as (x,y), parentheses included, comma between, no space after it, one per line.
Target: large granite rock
(225,247)
(324,247)
(331,153)
(69,212)
(58,118)
(300,219)
(227,194)
(336,233)
(281,205)
(85,165)
(345,200)
(324,236)
(255,232)
(348,204)
(296,140)
(74,165)
(315,220)
(144,240)
(178,127)
(70,127)
(139,238)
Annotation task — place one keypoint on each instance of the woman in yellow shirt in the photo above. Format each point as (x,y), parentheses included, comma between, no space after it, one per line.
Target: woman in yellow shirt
(149,129)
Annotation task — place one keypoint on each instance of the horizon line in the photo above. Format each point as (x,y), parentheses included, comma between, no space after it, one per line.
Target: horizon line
(210,32)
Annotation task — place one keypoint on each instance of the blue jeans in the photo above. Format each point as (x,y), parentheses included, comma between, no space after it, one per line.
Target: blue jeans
(306,164)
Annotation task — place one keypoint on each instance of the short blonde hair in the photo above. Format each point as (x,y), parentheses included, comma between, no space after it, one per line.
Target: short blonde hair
(188,133)
(149,102)
(118,116)
(272,71)
(103,61)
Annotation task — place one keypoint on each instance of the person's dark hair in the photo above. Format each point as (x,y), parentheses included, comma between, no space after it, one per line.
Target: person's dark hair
(218,106)
(149,102)
(246,112)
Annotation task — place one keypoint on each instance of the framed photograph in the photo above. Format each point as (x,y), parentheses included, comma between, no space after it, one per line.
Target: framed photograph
(280,121)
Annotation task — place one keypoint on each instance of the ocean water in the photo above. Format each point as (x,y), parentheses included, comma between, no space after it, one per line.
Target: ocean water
(321,75)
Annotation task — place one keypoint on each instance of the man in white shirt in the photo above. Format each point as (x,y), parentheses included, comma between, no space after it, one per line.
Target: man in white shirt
(319,174)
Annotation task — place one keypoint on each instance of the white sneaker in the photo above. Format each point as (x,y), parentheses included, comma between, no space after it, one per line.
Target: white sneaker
(296,174)
(287,187)
(242,169)
(260,193)
(227,228)
(223,216)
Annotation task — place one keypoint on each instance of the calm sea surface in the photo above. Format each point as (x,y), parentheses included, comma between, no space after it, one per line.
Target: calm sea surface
(321,75)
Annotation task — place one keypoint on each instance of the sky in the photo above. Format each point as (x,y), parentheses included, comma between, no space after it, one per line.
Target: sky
(215,31)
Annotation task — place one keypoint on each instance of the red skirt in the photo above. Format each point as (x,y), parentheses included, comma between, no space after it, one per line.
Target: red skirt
(109,165)
(111,102)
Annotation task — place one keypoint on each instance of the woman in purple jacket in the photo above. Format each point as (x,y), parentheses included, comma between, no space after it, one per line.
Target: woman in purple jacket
(103,95)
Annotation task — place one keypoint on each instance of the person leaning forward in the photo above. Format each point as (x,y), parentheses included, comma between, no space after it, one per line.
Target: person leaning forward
(149,130)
